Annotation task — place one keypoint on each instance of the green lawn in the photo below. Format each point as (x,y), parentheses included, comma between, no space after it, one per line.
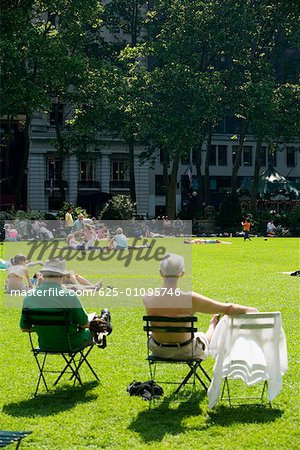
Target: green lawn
(103,415)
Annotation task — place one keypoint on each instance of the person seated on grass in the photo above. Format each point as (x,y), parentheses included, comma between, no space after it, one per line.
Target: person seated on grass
(102,232)
(174,302)
(76,242)
(271,229)
(51,295)
(11,234)
(79,223)
(16,273)
(45,234)
(204,241)
(119,241)
(73,243)
(89,235)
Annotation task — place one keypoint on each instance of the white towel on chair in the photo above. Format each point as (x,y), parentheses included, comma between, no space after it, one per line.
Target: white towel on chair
(251,355)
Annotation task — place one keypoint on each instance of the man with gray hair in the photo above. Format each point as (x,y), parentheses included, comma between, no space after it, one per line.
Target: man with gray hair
(173,302)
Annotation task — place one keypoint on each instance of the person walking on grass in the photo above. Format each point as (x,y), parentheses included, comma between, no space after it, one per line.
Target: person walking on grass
(246,227)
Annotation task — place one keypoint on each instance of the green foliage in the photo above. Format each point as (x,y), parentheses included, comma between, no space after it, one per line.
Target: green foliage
(5,216)
(293,219)
(119,207)
(229,216)
(103,415)
(31,214)
(73,209)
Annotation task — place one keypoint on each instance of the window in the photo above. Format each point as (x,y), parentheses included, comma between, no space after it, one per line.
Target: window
(263,156)
(213,184)
(57,109)
(222,155)
(224,184)
(87,170)
(247,155)
(290,156)
(119,170)
(52,168)
(213,155)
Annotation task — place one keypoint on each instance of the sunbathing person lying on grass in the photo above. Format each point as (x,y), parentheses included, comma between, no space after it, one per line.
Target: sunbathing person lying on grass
(6,264)
(71,281)
(204,241)
(82,246)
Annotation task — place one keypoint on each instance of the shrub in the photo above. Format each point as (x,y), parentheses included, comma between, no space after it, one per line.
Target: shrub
(293,220)
(230,213)
(31,214)
(119,207)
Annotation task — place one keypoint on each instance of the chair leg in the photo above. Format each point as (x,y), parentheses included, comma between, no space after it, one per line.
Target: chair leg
(41,375)
(204,373)
(185,380)
(201,381)
(152,370)
(68,365)
(84,359)
(75,371)
(226,385)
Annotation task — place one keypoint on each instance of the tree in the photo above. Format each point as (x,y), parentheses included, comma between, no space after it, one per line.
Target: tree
(42,55)
(189,59)
(130,18)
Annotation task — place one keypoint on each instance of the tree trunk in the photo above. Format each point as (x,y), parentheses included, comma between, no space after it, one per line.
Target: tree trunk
(23,163)
(8,140)
(257,166)
(200,197)
(61,151)
(130,142)
(165,165)
(172,185)
(206,170)
(238,158)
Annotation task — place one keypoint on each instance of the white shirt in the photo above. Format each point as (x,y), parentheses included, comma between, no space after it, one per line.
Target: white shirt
(271,227)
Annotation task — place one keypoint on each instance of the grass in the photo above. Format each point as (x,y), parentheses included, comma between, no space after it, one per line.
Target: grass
(103,415)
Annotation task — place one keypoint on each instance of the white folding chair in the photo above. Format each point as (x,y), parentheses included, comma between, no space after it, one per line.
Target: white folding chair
(250,347)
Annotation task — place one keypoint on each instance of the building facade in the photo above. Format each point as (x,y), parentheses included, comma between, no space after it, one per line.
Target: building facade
(89,180)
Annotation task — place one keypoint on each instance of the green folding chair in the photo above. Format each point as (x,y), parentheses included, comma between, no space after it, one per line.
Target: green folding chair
(73,359)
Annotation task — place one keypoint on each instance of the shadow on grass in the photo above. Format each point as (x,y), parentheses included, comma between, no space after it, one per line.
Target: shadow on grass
(225,416)
(50,403)
(165,418)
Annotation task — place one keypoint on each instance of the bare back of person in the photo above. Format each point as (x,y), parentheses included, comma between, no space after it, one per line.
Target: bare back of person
(170,305)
